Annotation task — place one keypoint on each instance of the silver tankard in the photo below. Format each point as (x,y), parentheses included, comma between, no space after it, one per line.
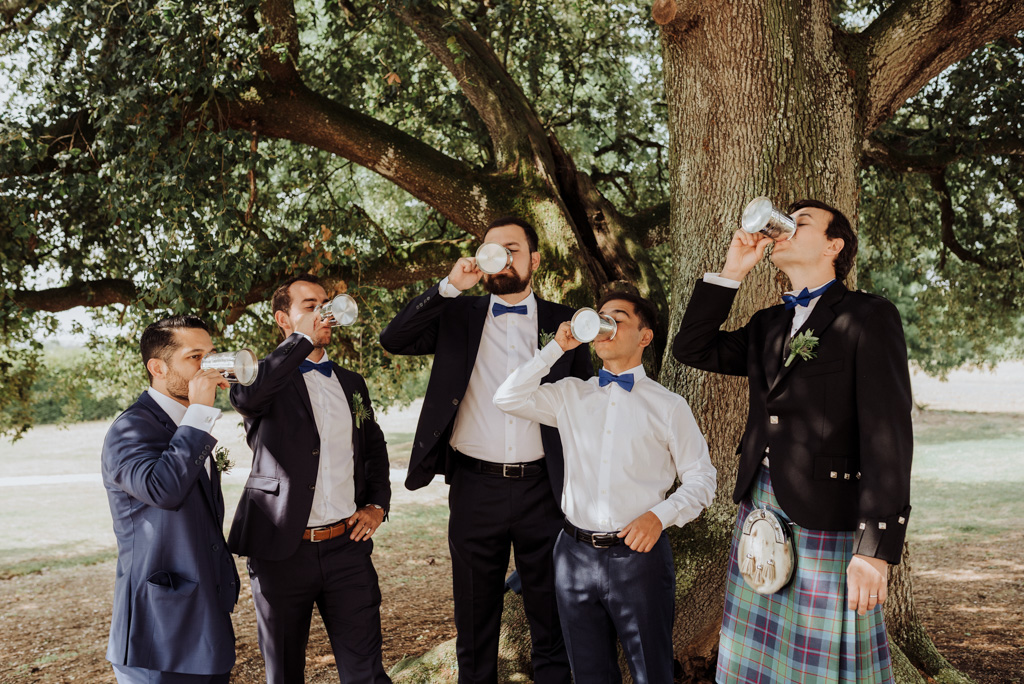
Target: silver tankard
(342,310)
(492,258)
(761,216)
(238,367)
(588,325)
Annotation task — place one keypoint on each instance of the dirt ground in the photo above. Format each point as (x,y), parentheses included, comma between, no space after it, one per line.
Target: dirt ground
(53,625)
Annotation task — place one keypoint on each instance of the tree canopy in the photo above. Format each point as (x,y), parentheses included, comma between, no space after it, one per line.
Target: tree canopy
(166,157)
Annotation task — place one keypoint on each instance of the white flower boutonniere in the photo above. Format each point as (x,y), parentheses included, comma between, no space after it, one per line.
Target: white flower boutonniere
(221,460)
(803,345)
(359,410)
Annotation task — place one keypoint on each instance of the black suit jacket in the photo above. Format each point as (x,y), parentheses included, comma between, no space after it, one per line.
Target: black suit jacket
(451,329)
(838,425)
(280,428)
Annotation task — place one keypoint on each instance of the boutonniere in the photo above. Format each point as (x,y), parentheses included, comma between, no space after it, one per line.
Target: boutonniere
(802,345)
(221,460)
(545,338)
(359,410)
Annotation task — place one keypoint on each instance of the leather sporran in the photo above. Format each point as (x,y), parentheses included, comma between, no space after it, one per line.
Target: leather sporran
(767,553)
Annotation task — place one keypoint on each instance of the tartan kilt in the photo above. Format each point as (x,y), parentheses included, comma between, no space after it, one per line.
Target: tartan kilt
(804,632)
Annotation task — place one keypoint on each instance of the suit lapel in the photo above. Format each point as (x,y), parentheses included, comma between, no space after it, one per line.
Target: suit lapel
(818,321)
(778,332)
(547,320)
(475,331)
(300,387)
(349,393)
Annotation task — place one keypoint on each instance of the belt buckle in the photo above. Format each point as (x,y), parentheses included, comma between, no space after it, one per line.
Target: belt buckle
(314,530)
(505,470)
(604,540)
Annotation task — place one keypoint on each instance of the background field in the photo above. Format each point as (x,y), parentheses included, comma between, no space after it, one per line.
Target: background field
(57,550)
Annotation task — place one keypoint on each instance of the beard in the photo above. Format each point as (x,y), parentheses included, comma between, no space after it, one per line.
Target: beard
(507,283)
(177,385)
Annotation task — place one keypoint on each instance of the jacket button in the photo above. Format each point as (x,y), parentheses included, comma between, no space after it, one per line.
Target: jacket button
(199,461)
(455,402)
(774,420)
(437,433)
(312,488)
(215,547)
(316,452)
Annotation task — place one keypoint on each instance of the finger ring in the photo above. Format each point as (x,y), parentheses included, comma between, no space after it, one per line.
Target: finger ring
(872,595)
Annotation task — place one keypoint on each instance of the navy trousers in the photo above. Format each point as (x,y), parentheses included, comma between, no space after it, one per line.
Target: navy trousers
(338,576)
(140,675)
(615,591)
(489,515)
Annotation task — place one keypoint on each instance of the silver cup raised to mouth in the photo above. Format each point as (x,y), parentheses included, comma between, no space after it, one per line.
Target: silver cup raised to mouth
(492,258)
(761,216)
(238,367)
(342,310)
(588,325)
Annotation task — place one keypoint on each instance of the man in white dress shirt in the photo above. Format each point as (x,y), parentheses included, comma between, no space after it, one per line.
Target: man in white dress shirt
(626,439)
(176,582)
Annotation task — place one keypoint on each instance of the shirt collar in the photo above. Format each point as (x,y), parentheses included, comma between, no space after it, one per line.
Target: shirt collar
(174,410)
(811,289)
(530,302)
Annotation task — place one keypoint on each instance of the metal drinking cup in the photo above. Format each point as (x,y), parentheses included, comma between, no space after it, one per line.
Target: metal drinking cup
(588,325)
(342,310)
(238,367)
(761,216)
(493,258)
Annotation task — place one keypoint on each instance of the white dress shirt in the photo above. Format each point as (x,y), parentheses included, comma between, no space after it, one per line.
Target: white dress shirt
(334,497)
(800,313)
(198,416)
(623,450)
(507,342)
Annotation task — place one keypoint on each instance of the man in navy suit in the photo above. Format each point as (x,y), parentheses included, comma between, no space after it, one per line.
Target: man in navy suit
(505,472)
(319,488)
(176,583)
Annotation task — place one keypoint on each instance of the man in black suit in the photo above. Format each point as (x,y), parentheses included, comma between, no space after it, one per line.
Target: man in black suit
(318,490)
(828,443)
(505,472)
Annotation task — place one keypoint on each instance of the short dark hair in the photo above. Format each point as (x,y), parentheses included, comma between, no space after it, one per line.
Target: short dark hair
(282,299)
(838,227)
(159,339)
(531,232)
(645,311)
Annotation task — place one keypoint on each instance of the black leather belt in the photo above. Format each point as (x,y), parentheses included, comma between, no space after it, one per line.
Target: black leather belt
(599,540)
(512,470)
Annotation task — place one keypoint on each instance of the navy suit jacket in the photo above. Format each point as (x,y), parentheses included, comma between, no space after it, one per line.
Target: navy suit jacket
(176,582)
(280,428)
(838,424)
(451,329)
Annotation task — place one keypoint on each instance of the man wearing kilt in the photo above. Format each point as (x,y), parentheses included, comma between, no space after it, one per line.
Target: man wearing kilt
(827,448)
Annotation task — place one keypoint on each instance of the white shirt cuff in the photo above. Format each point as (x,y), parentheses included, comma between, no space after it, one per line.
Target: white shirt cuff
(715,279)
(551,352)
(447,290)
(201,417)
(666,513)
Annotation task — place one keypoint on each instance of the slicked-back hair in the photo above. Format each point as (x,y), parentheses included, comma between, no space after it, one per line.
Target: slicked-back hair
(645,311)
(838,227)
(159,340)
(282,299)
(531,232)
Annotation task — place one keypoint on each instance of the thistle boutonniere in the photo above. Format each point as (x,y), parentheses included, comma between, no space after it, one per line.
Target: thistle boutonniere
(545,338)
(802,345)
(359,410)
(221,460)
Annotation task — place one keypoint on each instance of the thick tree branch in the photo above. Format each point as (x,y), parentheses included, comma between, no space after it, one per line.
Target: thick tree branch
(947,218)
(651,225)
(514,127)
(898,158)
(913,41)
(90,293)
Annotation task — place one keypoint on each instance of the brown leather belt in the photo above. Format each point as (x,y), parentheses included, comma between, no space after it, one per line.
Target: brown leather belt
(513,470)
(599,540)
(320,534)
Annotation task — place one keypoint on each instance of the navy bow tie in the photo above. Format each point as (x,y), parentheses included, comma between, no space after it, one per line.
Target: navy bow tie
(308,365)
(500,309)
(625,381)
(805,297)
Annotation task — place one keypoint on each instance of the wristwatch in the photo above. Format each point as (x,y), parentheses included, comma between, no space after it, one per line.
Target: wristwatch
(377,506)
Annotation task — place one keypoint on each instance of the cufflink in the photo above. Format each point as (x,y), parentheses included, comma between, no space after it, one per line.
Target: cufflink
(863,526)
(881,525)
(902,520)
(846,476)
(833,475)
